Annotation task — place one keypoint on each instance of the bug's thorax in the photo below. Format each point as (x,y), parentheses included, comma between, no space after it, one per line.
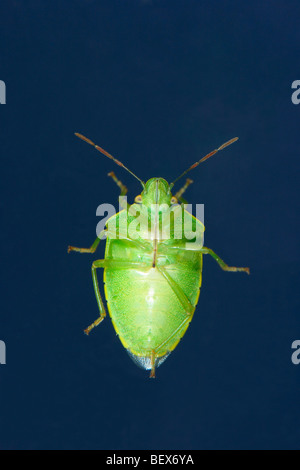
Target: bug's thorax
(156,193)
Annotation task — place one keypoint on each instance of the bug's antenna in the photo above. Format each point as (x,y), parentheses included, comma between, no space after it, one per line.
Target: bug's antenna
(203,159)
(101,150)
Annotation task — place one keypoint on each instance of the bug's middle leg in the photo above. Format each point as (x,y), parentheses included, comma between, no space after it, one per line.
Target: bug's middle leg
(92,248)
(222,264)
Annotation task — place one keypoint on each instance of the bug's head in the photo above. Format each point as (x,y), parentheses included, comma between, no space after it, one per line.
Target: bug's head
(156,191)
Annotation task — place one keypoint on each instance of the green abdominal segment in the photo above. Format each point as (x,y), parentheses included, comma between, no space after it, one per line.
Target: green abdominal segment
(151,308)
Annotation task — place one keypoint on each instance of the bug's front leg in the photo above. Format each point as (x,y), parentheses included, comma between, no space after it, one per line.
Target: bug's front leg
(222,264)
(179,193)
(123,189)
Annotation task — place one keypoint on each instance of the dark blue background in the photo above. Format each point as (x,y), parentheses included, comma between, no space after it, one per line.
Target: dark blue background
(159,84)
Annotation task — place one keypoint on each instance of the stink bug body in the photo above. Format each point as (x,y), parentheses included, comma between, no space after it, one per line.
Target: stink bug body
(152,278)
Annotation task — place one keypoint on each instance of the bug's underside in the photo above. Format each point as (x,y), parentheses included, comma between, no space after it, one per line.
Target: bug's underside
(145,362)
(152,278)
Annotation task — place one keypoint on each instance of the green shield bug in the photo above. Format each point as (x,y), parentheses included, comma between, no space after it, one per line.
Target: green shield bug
(152,267)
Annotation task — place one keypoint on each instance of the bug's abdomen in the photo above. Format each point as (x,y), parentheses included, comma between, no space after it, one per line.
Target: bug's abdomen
(145,309)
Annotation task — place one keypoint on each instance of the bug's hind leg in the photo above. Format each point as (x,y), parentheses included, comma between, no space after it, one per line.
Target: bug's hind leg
(104,263)
(222,264)
(152,373)
(97,264)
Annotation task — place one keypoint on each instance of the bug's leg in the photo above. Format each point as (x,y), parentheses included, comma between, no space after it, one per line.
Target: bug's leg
(92,248)
(97,264)
(222,264)
(118,183)
(152,373)
(123,189)
(181,191)
(103,263)
(189,308)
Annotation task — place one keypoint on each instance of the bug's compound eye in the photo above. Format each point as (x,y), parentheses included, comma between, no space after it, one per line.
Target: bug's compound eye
(138,199)
(174,200)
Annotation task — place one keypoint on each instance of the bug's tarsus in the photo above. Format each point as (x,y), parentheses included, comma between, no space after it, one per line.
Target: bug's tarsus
(119,183)
(221,263)
(92,248)
(183,189)
(246,270)
(104,152)
(229,142)
(93,325)
(152,373)
(234,269)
